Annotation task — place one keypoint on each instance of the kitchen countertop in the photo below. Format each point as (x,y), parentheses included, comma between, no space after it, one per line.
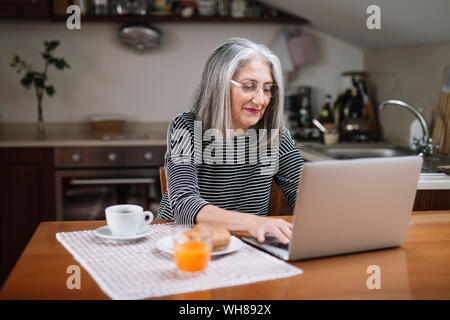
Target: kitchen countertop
(80,140)
(81,135)
(146,135)
(427,181)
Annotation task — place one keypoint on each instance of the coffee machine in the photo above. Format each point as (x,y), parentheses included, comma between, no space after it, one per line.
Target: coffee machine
(298,112)
(354,114)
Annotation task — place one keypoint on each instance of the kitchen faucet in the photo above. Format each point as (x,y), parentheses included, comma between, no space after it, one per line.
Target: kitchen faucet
(425,146)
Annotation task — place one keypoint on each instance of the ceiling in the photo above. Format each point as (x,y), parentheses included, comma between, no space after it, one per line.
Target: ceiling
(403,22)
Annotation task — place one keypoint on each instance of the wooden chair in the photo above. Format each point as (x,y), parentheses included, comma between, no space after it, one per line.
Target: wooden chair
(275,193)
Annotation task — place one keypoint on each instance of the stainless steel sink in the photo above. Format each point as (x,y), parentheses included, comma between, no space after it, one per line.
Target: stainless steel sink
(352,153)
(373,150)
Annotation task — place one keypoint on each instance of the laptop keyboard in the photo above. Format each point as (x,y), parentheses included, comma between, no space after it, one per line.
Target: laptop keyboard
(275,242)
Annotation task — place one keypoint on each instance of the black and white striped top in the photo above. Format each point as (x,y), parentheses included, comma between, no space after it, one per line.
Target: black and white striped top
(239,184)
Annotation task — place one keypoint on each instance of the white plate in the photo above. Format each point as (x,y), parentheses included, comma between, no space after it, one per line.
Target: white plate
(105,232)
(165,244)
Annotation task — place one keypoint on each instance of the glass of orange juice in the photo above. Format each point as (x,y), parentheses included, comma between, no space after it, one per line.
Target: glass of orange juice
(192,250)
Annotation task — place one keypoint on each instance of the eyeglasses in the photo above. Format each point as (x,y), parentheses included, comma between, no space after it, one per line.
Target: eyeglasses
(249,87)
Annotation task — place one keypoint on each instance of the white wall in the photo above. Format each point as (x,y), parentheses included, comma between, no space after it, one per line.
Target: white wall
(325,76)
(107,78)
(413,74)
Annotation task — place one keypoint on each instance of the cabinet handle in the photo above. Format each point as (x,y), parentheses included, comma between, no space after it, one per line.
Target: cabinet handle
(112,181)
(76,157)
(112,157)
(148,156)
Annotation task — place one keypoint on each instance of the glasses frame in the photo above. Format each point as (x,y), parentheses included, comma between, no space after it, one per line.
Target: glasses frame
(240,85)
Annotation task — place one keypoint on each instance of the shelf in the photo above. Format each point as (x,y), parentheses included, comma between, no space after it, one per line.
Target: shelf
(178,19)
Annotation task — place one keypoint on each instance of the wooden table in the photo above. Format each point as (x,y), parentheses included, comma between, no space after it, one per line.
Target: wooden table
(420,269)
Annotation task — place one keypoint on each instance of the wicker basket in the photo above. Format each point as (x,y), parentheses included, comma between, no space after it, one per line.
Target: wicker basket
(107,127)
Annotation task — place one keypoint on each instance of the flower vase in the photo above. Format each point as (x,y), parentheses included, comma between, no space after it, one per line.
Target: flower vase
(40,128)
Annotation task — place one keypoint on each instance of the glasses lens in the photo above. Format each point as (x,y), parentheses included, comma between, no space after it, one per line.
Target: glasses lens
(270,90)
(273,90)
(249,87)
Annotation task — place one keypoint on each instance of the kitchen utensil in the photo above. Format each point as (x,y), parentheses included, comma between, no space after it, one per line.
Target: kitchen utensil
(446,87)
(132,7)
(369,110)
(207,7)
(239,8)
(320,126)
(441,131)
(330,136)
(224,8)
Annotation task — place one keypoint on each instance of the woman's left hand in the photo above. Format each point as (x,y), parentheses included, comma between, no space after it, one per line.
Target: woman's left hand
(280,228)
(257,226)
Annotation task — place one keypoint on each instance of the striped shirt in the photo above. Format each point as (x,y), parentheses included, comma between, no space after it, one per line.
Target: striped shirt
(198,174)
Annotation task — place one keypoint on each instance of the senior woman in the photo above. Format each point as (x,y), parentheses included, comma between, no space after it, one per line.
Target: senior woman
(220,181)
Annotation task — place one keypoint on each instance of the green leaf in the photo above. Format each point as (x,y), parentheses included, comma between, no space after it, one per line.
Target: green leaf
(27,80)
(60,64)
(50,90)
(66,65)
(39,81)
(50,46)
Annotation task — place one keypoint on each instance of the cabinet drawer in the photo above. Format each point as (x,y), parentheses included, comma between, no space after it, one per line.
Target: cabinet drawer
(86,157)
(27,9)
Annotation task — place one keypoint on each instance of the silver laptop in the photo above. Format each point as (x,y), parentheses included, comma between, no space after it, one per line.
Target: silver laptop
(346,206)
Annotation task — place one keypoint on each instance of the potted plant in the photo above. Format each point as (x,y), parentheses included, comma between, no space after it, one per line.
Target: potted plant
(38,80)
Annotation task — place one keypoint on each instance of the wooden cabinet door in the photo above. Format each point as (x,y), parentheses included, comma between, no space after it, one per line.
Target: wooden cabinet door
(26,197)
(25,9)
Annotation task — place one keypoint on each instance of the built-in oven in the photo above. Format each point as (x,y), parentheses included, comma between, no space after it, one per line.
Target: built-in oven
(89,179)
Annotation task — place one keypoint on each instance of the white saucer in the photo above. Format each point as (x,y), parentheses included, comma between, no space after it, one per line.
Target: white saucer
(165,244)
(105,232)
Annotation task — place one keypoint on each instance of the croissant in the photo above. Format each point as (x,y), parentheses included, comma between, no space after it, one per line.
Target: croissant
(220,236)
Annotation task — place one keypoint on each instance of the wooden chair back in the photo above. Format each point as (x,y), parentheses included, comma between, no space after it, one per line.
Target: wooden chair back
(275,193)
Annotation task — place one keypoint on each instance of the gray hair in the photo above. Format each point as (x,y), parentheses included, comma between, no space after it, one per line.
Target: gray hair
(212,101)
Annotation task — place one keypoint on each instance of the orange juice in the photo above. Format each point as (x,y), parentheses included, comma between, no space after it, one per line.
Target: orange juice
(192,256)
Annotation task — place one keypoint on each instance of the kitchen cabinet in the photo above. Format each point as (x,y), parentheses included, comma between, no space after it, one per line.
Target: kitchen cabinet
(27,198)
(432,200)
(283,19)
(54,11)
(24,9)
(426,200)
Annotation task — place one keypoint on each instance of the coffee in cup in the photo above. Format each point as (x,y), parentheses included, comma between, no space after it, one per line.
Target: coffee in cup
(127,219)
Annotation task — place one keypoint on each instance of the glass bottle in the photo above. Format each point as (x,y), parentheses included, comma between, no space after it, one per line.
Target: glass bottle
(101,7)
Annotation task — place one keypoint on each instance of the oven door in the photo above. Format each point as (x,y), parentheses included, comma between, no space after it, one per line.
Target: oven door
(84,194)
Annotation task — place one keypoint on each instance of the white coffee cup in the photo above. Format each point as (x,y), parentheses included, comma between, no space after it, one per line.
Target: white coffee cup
(127,219)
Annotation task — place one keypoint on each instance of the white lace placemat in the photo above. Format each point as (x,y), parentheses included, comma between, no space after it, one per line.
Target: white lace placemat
(138,270)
